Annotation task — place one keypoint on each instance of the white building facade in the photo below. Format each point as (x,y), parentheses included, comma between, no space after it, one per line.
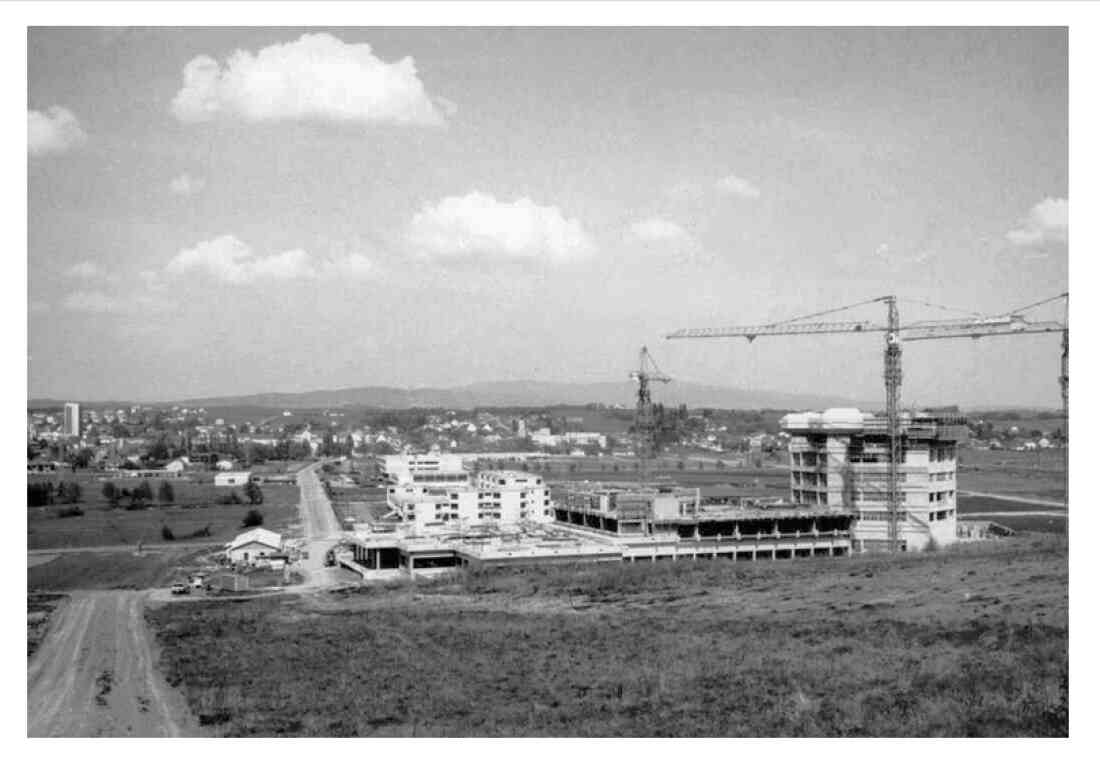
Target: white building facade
(840,458)
(500,497)
(71,424)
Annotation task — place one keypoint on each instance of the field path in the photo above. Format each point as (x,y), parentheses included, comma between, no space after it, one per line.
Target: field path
(95,674)
(1013,498)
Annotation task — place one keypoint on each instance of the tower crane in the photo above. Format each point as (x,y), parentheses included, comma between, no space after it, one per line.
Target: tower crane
(894,333)
(645,418)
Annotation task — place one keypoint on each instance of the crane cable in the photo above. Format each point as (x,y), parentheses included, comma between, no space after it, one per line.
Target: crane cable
(1041,302)
(823,313)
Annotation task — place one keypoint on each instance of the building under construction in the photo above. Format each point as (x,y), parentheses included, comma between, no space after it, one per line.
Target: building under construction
(840,460)
(669,523)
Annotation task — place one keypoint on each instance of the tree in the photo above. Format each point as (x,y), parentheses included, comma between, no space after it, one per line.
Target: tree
(110,493)
(252,518)
(254,494)
(143,491)
(166,495)
(69,492)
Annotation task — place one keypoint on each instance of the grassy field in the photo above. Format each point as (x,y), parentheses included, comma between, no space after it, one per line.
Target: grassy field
(40,609)
(1040,474)
(970,642)
(107,571)
(101,526)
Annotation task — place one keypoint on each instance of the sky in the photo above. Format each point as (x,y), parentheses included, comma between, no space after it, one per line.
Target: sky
(219,211)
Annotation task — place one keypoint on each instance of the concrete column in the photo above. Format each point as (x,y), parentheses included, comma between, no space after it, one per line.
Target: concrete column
(697,536)
(775,529)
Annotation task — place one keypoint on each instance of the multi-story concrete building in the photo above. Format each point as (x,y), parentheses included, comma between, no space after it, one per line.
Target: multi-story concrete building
(840,459)
(500,497)
(71,426)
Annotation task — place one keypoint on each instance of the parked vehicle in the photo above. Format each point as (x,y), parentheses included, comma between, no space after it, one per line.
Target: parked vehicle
(180,588)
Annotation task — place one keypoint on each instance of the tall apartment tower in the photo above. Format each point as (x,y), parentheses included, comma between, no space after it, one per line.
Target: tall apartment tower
(71,426)
(840,458)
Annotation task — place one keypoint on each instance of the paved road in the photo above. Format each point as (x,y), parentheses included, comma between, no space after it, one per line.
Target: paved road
(1013,498)
(94,675)
(319,526)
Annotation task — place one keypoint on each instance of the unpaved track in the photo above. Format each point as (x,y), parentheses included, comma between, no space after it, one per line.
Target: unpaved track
(1014,498)
(94,675)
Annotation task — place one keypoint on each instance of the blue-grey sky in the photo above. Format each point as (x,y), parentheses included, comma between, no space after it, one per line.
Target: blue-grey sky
(221,211)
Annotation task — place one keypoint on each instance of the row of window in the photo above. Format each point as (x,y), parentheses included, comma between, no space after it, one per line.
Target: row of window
(949,476)
(810,497)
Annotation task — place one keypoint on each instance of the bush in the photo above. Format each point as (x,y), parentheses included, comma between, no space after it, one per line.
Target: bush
(255,495)
(252,518)
(166,495)
(69,512)
(110,493)
(232,498)
(166,534)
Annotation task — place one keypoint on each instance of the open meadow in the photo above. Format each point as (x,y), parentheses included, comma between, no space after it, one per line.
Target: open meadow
(193,513)
(112,570)
(1040,474)
(967,642)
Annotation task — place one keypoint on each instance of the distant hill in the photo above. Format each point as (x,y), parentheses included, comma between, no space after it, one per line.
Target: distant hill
(526,393)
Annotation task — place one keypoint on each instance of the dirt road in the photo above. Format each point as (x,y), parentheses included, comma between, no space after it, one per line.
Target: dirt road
(1014,498)
(94,674)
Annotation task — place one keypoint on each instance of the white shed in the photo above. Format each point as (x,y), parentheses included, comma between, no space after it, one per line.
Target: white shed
(254,546)
(233,478)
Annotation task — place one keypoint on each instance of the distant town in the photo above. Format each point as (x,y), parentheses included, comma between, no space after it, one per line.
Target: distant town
(172,436)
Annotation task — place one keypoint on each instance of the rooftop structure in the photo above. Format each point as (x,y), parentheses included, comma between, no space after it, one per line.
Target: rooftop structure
(840,460)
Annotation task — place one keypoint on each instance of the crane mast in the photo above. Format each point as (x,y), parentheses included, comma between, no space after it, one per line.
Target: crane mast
(892,378)
(895,333)
(645,417)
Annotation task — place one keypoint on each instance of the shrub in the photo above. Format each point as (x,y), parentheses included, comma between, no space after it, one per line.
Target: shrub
(252,518)
(166,534)
(110,493)
(255,494)
(165,493)
(232,498)
(69,512)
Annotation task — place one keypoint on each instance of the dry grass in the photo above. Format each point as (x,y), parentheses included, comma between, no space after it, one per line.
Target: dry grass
(40,610)
(971,642)
(106,571)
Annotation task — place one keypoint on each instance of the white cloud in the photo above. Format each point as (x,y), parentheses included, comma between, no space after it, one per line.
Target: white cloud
(479,225)
(738,187)
(230,260)
(659,230)
(316,77)
(186,185)
(53,132)
(85,269)
(93,301)
(1046,224)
